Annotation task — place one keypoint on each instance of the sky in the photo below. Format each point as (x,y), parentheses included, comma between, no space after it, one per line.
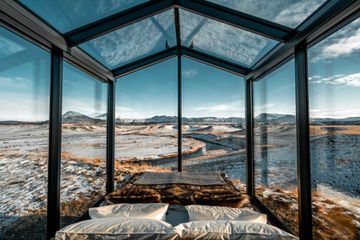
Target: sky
(334,84)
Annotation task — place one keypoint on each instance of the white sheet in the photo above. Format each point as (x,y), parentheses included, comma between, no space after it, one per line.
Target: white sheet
(204,212)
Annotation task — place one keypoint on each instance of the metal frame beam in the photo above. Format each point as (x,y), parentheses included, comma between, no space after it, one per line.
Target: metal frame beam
(110,137)
(215,61)
(171,52)
(54,155)
(238,19)
(144,62)
(303,143)
(116,21)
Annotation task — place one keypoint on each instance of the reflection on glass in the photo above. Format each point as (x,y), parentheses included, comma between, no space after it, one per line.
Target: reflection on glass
(334,85)
(146,120)
(83,156)
(223,40)
(286,12)
(24,112)
(67,15)
(275,144)
(134,41)
(213,121)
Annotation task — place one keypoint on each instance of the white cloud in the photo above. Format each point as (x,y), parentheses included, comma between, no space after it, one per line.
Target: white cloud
(190,73)
(296,12)
(334,113)
(15,82)
(231,106)
(343,47)
(350,80)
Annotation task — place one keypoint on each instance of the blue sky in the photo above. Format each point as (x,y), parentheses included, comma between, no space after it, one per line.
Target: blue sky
(334,77)
(207,91)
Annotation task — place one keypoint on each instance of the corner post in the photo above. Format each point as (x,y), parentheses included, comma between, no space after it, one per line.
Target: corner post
(179,80)
(110,137)
(250,188)
(54,156)
(303,143)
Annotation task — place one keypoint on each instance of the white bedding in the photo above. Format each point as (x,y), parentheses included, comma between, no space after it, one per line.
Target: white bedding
(143,221)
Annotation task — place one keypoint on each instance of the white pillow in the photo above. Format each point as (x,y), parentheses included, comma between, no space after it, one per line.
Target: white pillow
(118,228)
(127,210)
(204,212)
(223,230)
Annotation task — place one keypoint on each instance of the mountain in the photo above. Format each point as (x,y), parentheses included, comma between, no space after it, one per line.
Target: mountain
(268,116)
(289,119)
(101,116)
(73,117)
(161,119)
(336,121)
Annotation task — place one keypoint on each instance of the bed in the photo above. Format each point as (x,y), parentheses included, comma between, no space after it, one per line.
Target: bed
(175,206)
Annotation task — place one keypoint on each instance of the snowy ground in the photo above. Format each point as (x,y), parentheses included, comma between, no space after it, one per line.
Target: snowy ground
(23,162)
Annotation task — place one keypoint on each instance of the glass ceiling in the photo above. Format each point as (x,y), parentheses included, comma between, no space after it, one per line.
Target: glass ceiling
(157,33)
(134,41)
(222,40)
(67,15)
(286,12)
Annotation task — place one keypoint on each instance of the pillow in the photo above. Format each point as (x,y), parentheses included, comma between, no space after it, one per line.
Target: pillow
(118,228)
(127,210)
(204,212)
(231,230)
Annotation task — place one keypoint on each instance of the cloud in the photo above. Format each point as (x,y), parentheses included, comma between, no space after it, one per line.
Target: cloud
(334,112)
(229,109)
(345,42)
(296,12)
(349,80)
(343,47)
(190,73)
(15,82)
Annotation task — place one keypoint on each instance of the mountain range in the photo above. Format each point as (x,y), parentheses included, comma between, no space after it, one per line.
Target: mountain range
(263,118)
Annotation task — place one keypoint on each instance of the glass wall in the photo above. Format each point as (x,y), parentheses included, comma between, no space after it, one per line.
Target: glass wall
(334,94)
(146,120)
(83,157)
(275,144)
(24,115)
(213,121)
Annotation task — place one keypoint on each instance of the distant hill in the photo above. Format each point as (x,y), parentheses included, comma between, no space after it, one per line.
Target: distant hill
(74,117)
(263,118)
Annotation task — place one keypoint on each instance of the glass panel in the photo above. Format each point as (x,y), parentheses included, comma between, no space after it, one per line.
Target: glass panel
(286,12)
(134,41)
(222,40)
(67,15)
(146,120)
(24,115)
(213,121)
(334,92)
(275,144)
(83,157)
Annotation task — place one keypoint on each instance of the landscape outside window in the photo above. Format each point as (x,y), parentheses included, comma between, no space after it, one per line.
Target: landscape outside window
(83,157)
(275,144)
(213,104)
(334,92)
(24,128)
(146,120)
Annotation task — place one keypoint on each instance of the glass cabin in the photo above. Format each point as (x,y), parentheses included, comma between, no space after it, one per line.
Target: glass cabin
(95,93)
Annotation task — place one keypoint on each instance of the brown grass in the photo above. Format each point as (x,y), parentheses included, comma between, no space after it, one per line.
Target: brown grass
(318,130)
(330,221)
